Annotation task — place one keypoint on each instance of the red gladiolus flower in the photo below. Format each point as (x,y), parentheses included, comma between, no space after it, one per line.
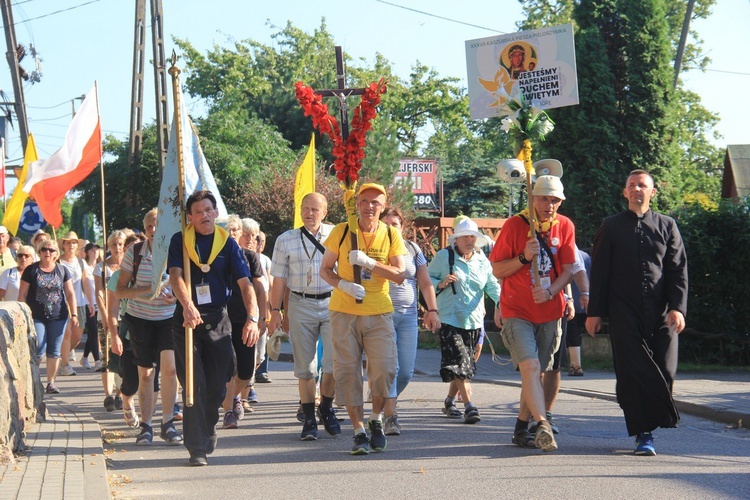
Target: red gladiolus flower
(350,154)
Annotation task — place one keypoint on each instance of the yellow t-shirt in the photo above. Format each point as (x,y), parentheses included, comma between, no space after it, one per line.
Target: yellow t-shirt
(377,246)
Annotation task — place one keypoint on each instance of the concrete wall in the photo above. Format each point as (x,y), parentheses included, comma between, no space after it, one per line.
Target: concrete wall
(21,390)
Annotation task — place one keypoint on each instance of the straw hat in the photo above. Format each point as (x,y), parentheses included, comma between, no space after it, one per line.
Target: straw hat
(70,236)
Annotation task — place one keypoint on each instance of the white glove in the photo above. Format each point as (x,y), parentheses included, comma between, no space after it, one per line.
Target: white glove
(359,258)
(353,289)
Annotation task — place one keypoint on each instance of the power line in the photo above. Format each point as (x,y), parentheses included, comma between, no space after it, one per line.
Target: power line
(441,17)
(56,12)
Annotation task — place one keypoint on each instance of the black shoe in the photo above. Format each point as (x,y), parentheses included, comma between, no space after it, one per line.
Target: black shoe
(51,389)
(309,431)
(329,421)
(471,415)
(361,444)
(109,403)
(377,437)
(198,459)
(118,403)
(263,378)
(524,439)
(213,441)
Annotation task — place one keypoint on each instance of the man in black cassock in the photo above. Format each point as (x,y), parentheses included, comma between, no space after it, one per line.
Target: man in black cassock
(639,280)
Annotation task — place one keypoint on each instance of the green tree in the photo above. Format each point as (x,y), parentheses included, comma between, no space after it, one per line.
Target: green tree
(630,115)
(130,190)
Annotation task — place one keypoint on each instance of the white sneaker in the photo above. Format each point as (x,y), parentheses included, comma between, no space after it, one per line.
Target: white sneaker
(67,370)
(98,366)
(84,361)
(72,355)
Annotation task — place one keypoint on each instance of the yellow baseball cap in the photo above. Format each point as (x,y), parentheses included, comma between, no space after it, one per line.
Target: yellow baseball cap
(371,185)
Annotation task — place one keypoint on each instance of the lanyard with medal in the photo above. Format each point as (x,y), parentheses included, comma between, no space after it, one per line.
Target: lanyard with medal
(202,291)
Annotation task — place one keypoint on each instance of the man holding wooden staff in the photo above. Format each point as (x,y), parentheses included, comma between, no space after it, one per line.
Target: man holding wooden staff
(215,260)
(532,310)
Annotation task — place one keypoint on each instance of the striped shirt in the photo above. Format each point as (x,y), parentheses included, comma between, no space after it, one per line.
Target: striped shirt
(154,310)
(297,260)
(404,296)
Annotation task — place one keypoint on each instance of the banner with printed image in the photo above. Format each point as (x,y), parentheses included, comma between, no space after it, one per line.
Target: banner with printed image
(539,63)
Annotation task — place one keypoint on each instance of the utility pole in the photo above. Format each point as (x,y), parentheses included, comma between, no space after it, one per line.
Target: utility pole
(160,81)
(15,73)
(683,41)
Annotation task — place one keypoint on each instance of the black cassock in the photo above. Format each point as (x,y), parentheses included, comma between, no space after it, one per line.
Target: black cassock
(638,274)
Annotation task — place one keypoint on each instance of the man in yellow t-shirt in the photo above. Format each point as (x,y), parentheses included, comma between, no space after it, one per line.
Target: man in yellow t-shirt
(367,326)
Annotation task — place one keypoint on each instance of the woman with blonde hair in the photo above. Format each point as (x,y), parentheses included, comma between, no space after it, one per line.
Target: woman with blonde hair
(48,290)
(10,279)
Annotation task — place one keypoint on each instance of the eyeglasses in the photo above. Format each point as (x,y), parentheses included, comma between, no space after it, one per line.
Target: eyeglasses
(51,250)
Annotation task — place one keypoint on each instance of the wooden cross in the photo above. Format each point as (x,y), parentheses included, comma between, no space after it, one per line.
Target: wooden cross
(341,93)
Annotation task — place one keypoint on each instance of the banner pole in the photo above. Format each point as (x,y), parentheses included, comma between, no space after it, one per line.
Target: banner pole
(174,71)
(105,300)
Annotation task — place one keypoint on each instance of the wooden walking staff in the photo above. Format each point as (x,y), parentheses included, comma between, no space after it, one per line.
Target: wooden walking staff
(174,71)
(525,157)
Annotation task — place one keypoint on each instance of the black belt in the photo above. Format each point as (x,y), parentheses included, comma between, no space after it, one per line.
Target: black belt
(316,296)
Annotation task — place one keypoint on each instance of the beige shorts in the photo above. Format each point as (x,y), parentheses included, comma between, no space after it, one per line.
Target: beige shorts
(352,335)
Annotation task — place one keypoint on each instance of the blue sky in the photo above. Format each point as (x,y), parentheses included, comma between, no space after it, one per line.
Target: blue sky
(85,40)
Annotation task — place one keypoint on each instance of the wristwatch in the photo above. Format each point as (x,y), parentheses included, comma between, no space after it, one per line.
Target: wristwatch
(252,318)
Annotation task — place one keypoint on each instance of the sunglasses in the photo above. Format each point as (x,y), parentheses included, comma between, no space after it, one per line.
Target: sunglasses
(23,255)
(51,250)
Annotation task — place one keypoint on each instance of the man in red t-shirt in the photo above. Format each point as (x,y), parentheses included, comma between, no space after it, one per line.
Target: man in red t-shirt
(532,311)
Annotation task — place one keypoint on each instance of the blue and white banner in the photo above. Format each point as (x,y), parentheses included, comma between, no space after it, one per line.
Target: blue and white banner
(198,176)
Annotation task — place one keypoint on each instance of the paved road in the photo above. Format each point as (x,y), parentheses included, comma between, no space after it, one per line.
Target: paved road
(434,458)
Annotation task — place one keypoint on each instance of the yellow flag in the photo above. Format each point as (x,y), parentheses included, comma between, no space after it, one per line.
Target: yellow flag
(12,217)
(305,182)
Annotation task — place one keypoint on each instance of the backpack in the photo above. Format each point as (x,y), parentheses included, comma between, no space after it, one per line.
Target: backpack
(451,262)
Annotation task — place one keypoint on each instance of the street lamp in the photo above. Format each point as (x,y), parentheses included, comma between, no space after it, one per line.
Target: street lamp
(73,103)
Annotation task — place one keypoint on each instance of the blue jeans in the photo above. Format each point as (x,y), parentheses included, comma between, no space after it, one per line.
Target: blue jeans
(49,337)
(405,324)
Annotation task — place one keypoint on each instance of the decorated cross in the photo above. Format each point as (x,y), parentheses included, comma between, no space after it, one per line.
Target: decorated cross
(348,147)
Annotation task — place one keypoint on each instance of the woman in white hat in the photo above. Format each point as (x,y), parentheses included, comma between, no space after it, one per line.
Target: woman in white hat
(462,275)
(84,297)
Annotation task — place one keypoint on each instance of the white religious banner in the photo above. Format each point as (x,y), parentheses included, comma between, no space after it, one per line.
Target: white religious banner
(540,64)
(422,174)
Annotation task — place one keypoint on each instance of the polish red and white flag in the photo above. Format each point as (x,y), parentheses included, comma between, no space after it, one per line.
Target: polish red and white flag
(51,179)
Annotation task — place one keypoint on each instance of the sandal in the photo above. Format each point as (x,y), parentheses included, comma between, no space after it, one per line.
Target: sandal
(131,417)
(575,371)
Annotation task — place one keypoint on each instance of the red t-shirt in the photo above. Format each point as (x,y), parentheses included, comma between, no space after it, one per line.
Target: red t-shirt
(516,300)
